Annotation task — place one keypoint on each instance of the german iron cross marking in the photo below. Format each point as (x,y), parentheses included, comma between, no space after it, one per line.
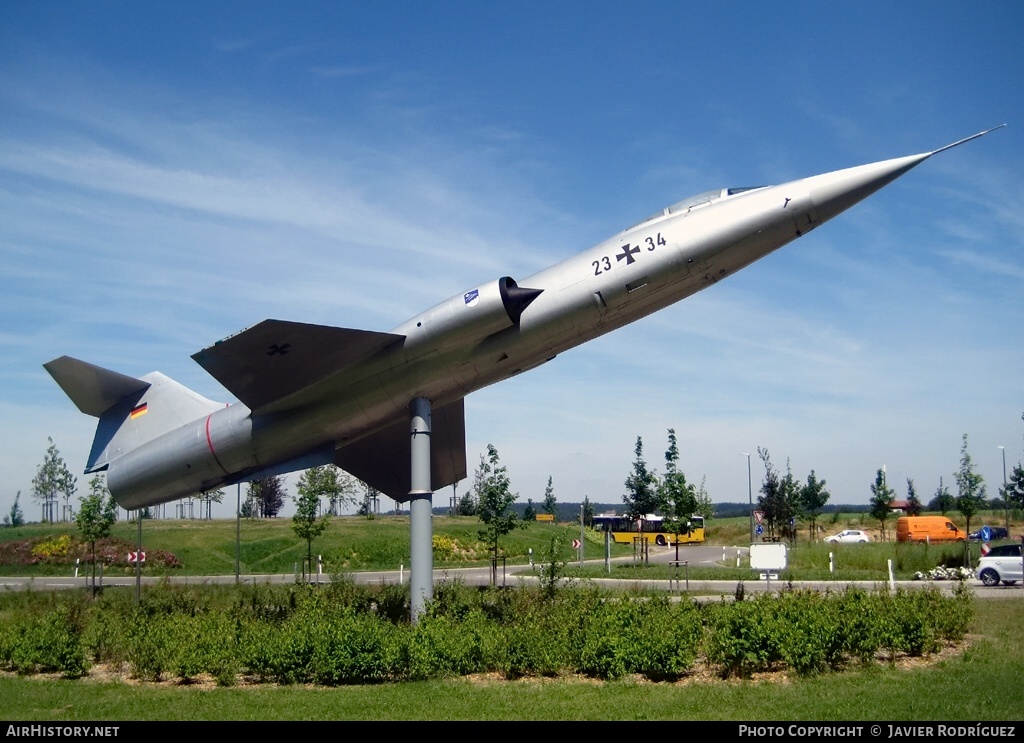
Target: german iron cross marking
(627,253)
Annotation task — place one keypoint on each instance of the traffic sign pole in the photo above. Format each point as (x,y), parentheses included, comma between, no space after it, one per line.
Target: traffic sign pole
(582,529)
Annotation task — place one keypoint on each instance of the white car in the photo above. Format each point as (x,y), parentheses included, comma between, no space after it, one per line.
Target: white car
(1002,563)
(850,536)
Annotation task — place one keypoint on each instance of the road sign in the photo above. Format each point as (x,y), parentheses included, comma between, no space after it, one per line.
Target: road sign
(758,516)
(576,544)
(759,530)
(136,557)
(986,534)
(985,549)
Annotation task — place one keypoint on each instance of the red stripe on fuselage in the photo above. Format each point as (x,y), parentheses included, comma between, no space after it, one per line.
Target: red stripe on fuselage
(209,443)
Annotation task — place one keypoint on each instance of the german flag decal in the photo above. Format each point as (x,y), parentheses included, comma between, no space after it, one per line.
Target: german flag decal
(139,410)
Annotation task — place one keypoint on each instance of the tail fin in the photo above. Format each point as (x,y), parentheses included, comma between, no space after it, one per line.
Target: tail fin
(132,411)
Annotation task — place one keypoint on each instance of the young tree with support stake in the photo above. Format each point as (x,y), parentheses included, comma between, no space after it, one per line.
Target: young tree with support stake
(53,479)
(881,500)
(678,497)
(313,484)
(774,495)
(97,513)
(970,484)
(813,497)
(641,496)
(495,504)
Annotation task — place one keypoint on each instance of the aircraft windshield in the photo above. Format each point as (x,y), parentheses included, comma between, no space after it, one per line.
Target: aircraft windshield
(698,200)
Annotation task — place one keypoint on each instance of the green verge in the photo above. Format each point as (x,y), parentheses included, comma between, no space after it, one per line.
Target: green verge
(980,683)
(269,546)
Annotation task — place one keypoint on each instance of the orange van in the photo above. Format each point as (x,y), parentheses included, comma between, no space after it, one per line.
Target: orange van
(927,529)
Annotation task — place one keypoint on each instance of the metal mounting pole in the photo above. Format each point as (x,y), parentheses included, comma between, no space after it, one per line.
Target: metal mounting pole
(138,559)
(421,528)
(238,530)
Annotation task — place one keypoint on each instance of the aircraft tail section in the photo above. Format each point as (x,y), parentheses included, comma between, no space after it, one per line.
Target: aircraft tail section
(132,411)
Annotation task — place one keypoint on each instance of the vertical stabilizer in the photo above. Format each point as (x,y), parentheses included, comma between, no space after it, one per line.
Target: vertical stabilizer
(131,411)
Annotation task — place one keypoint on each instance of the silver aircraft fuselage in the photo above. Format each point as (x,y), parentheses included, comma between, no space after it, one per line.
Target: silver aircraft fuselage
(472,340)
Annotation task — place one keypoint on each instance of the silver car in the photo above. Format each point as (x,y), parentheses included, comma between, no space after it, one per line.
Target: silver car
(850,536)
(1002,563)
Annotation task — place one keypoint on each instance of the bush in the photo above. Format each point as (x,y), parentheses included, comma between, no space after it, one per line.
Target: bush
(746,636)
(50,643)
(441,646)
(350,634)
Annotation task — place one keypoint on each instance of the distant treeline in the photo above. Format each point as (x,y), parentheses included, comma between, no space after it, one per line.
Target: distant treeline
(565,512)
(726,510)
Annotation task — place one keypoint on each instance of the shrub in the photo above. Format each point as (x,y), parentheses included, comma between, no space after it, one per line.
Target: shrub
(50,643)
(441,646)
(746,636)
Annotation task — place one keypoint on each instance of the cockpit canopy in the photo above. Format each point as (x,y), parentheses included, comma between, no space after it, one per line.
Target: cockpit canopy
(697,201)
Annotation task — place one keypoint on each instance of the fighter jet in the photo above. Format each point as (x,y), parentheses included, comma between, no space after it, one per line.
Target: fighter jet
(312,395)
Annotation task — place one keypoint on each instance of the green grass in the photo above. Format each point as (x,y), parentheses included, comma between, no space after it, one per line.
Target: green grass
(353,543)
(980,683)
(862,562)
(269,545)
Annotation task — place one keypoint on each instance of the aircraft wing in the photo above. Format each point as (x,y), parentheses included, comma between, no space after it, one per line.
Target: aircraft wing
(382,459)
(276,358)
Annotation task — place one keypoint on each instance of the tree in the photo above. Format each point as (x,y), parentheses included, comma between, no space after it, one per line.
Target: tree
(327,481)
(530,513)
(344,492)
(813,497)
(495,503)
(641,496)
(588,511)
(676,496)
(792,504)
(206,500)
(369,505)
(53,479)
(970,484)
(943,499)
(467,504)
(96,515)
(779,499)
(913,502)
(881,500)
(16,516)
(267,496)
(1015,486)
(549,498)
(704,505)
(470,500)
(305,522)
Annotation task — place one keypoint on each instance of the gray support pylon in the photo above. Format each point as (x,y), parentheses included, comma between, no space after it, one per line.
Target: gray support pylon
(421,527)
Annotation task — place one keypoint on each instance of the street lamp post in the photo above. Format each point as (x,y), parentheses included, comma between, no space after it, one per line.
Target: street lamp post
(1006,501)
(750,498)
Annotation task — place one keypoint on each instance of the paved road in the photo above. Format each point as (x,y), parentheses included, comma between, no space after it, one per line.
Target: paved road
(695,555)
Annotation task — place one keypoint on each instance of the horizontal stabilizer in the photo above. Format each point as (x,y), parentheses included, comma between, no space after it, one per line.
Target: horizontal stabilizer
(382,460)
(93,389)
(132,411)
(276,358)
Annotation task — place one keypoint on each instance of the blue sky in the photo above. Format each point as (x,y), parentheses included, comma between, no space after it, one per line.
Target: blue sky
(171,173)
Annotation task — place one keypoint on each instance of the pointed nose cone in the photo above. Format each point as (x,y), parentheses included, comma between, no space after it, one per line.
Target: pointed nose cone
(835,192)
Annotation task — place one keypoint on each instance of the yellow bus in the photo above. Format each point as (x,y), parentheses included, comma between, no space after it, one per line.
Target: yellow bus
(625,530)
